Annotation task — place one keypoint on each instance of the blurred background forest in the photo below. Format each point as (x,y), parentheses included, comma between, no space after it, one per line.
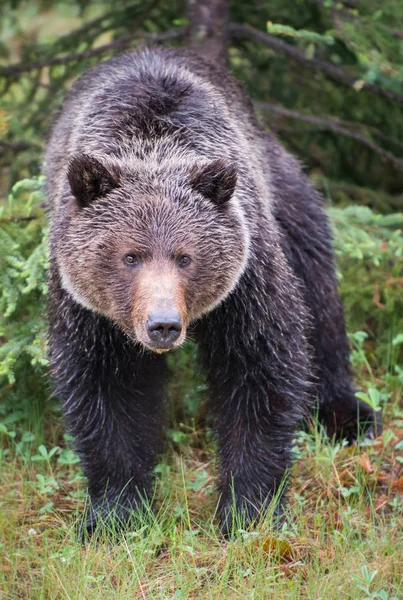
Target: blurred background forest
(326,76)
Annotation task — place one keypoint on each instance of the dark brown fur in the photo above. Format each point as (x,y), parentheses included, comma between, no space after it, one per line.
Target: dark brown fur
(158,155)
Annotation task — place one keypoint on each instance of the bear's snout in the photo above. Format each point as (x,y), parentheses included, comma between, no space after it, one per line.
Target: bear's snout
(164,328)
(159,312)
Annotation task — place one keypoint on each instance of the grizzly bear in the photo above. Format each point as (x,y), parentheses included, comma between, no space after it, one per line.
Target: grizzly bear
(172,211)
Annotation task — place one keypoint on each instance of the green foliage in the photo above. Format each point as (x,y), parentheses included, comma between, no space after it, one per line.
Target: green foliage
(361,39)
(23,279)
(65,31)
(370,256)
(367,47)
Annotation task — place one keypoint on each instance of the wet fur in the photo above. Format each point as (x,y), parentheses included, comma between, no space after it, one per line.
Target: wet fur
(262,300)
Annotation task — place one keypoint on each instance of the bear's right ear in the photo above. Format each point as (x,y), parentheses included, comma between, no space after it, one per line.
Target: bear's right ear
(89,179)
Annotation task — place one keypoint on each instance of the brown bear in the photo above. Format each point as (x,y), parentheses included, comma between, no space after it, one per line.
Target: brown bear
(172,211)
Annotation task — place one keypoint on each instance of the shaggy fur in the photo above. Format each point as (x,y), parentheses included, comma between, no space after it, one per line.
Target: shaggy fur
(158,155)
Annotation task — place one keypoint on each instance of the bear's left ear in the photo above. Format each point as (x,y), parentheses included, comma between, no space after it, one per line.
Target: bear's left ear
(89,179)
(216,181)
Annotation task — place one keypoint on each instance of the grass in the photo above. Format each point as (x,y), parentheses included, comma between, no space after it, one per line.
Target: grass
(342,538)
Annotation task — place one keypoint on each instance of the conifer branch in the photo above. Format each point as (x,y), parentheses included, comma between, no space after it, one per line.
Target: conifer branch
(334,127)
(120,44)
(333,72)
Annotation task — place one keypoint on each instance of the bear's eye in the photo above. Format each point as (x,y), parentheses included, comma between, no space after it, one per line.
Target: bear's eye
(183,261)
(132,260)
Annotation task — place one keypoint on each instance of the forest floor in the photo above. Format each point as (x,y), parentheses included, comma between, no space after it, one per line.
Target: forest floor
(343,537)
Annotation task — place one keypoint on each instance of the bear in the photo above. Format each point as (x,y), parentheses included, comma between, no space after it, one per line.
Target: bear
(173,211)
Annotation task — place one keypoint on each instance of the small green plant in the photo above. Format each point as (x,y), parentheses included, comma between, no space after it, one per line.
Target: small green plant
(45,455)
(372,398)
(364,583)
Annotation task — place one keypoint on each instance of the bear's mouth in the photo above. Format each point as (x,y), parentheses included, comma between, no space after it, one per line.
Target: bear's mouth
(161,348)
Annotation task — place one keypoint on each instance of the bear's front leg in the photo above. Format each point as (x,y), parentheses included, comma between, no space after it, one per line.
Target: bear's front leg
(112,395)
(254,349)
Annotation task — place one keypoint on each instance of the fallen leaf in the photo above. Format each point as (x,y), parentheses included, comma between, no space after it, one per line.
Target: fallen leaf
(381,502)
(346,477)
(279,547)
(365,463)
(397,485)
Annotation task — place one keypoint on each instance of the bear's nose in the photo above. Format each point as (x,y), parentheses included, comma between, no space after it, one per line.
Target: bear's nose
(164,327)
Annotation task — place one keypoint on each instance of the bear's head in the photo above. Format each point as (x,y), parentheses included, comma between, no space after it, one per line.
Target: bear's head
(151,249)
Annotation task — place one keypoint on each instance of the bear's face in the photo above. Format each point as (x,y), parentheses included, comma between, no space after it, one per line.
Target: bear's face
(151,253)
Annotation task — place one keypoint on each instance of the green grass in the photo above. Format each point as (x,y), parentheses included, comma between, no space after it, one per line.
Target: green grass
(342,538)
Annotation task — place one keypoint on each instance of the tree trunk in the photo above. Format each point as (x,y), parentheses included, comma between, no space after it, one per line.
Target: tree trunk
(208,29)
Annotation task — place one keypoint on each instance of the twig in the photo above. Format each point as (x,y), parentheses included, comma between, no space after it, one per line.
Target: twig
(353,125)
(18,219)
(395,32)
(337,74)
(334,127)
(394,281)
(377,296)
(17,146)
(376,199)
(347,15)
(386,138)
(19,68)
(76,33)
(114,14)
